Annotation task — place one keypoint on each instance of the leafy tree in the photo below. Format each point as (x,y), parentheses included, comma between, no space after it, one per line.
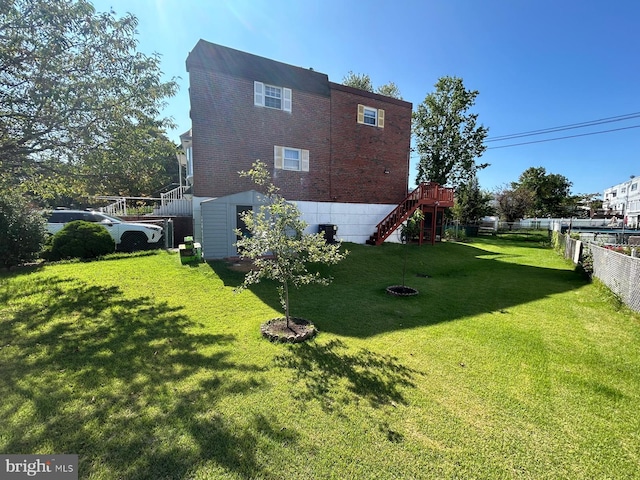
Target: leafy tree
(70,79)
(389,90)
(550,192)
(472,203)
(137,161)
(277,244)
(358,80)
(22,230)
(513,203)
(363,82)
(448,137)
(586,204)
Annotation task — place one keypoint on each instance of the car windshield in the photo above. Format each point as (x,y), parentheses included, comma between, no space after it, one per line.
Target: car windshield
(111,218)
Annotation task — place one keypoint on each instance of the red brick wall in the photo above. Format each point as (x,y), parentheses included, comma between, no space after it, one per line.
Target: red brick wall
(361,153)
(230,133)
(347,160)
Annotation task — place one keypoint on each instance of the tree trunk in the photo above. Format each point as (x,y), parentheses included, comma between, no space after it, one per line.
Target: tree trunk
(286,302)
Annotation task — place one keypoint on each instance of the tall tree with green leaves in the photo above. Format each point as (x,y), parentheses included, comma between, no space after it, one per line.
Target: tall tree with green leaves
(278,245)
(71,77)
(448,137)
(550,193)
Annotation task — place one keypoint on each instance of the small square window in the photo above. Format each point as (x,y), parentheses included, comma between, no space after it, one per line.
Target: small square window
(634,187)
(278,98)
(371,116)
(287,158)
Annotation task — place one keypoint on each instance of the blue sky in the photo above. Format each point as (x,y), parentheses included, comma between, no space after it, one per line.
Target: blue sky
(537,64)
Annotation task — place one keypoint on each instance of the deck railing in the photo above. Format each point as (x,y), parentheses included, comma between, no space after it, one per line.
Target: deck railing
(425,193)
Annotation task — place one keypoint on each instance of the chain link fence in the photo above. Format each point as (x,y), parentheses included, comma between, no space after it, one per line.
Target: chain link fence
(618,271)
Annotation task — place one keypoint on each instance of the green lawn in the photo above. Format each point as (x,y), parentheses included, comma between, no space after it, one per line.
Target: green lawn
(507,365)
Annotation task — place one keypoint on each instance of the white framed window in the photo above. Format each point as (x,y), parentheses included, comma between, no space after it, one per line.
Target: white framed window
(287,158)
(634,187)
(272,96)
(371,116)
(291,159)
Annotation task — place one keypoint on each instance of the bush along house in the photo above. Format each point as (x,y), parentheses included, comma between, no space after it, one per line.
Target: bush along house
(340,153)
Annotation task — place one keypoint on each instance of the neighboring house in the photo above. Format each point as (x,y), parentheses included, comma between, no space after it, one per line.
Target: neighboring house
(340,153)
(623,201)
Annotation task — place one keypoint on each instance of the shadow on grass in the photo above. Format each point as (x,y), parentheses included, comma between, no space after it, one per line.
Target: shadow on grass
(123,382)
(455,280)
(320,368)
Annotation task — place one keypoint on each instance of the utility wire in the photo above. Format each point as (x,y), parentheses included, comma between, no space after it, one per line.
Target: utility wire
(562,138)
(571,126)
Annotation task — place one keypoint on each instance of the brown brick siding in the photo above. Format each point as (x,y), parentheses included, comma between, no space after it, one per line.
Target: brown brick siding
(346,160)
(361,153)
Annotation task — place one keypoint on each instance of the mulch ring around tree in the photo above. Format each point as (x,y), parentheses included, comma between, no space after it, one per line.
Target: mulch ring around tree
(401,291)
(298,330)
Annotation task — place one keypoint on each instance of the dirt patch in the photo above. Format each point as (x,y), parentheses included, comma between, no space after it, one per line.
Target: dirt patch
(240,265)
(297,331)
(401,291)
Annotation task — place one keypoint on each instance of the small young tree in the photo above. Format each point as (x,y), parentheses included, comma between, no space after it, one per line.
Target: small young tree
(277,244)
(410,230)
(472,203)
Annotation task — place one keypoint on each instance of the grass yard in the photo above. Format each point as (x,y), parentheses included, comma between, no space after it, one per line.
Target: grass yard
(508,364)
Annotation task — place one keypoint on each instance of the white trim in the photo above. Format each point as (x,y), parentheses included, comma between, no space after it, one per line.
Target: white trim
(258,94)
(286,99)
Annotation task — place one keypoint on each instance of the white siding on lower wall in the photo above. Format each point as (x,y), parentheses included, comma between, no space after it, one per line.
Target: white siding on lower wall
(356,222)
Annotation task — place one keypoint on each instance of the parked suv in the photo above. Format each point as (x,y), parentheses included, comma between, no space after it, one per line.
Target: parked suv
(127,235)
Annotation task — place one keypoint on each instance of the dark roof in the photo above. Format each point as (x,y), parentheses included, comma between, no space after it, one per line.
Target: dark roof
(210,56)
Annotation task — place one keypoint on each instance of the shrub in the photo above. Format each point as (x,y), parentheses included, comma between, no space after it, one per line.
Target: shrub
(22,230)
(458,234)
(80,239)
(586,264)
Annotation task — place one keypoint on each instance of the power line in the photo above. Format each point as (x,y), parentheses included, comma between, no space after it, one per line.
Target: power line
(562,138)
(571,126)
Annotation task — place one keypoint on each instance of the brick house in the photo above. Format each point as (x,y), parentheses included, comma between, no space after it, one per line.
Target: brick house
(340,153)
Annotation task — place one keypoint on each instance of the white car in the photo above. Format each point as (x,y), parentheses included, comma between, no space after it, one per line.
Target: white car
(129,236)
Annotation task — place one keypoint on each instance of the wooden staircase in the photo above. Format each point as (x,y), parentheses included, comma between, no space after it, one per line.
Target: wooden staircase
(430,194)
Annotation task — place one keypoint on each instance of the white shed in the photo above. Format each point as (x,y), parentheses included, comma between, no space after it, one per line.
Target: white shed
(220,217)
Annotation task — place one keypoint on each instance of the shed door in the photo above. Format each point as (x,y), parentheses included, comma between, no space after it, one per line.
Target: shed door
(240,225)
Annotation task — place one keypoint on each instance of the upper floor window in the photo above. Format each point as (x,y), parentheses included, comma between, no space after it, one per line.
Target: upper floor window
(287,158)
(371,116)
(271,96)
(634,186)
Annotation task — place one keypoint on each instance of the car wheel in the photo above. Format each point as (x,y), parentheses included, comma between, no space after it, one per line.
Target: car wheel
(132,241)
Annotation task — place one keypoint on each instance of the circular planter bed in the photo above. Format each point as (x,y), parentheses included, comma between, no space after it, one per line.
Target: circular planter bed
(401,291)
(298,330)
